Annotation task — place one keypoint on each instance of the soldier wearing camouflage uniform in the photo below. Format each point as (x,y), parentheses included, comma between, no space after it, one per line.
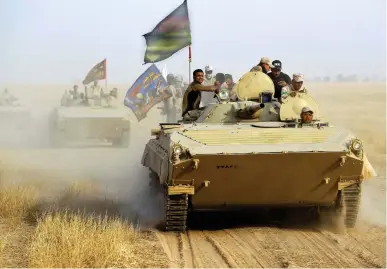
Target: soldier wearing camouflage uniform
(296,87)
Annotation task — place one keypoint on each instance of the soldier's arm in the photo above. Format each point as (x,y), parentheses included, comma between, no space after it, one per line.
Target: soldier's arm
(202,88)
(284,93)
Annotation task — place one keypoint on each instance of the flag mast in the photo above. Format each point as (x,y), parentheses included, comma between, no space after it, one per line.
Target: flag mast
(189,63)
(105,75)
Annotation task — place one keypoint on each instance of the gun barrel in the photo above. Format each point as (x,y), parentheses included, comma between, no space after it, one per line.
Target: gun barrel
(255,108)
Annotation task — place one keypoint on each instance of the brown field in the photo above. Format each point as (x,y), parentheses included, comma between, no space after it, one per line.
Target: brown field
(91,207)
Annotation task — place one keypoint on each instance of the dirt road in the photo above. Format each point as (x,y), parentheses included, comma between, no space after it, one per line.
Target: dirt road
(276,247)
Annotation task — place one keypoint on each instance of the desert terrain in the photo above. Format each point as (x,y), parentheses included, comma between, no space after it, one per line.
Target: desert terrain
(112,183)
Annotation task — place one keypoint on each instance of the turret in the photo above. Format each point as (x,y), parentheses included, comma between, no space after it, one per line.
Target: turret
(255,91)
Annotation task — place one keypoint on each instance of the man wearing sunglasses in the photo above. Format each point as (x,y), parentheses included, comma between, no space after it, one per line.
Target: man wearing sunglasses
(297,86)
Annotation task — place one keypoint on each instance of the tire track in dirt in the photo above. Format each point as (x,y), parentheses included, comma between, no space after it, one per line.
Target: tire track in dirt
(169,242)
(276,247)
(191,249)
(368,244)
(204,252)
(187,252)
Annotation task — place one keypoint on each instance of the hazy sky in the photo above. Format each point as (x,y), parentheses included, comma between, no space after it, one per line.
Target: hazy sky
(58,41)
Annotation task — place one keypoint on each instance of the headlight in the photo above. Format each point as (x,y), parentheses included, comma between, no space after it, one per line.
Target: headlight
(179,154)
(178,150)
(223,94)
(356,145)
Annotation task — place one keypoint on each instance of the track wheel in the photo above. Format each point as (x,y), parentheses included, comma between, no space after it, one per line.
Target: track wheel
(352,195)
(176,212)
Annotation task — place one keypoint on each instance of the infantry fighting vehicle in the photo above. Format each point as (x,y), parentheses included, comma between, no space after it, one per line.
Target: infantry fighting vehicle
(13,115)
(85,125)
(224,160)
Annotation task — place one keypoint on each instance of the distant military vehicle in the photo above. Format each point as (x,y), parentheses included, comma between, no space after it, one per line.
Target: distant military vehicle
(224,160)
(81,124)
(13,116)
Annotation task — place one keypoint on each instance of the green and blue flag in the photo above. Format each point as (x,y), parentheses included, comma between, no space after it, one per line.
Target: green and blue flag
(170,35)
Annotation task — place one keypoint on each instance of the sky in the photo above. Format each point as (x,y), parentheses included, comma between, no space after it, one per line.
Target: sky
(58,41)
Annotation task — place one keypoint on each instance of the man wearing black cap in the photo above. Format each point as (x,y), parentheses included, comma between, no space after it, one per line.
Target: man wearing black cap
(280,79)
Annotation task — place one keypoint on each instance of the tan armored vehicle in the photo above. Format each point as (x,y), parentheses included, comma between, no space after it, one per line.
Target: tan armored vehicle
(232,157)
(80,124)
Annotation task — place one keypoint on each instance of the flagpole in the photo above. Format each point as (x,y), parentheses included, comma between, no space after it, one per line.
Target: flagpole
(105,76)
(189,62)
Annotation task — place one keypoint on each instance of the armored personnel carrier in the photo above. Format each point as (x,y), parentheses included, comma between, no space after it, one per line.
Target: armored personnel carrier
(81,124)
(229,157)
(13,115)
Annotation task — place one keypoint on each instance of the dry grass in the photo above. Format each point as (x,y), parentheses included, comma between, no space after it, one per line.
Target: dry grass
(17,202)
(73,240)
(3,242)
(67,234)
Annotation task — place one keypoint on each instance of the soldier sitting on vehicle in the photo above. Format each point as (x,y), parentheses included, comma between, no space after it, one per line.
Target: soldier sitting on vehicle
(296,87)
(66,99)
(111,98)
(230,83)
(75,94)
(94,94)
(264,66)
(192,96)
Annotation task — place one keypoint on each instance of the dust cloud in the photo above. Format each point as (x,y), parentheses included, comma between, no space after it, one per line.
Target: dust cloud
(101,178)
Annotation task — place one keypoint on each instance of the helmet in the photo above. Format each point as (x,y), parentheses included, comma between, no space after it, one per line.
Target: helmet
(208,68)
